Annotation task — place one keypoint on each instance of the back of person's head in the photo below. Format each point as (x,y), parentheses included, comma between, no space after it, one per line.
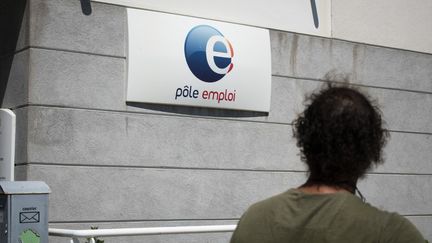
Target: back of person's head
(340,135)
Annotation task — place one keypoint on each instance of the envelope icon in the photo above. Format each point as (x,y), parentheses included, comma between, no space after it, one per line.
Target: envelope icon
(29,217)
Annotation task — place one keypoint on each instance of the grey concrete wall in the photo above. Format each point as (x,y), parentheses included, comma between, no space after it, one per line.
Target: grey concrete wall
(110,164)
(388,22)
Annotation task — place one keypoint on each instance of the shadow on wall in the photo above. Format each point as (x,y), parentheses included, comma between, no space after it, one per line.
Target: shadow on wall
(198,111)
(11,17)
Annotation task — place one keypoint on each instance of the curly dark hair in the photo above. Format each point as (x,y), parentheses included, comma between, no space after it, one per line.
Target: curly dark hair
(340,135)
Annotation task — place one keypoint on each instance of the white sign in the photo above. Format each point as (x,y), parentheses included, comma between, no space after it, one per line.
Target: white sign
(7,144)
(181,60)
(311,17)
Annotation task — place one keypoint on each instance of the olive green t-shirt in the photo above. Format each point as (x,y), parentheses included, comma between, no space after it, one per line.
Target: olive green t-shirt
(297,217)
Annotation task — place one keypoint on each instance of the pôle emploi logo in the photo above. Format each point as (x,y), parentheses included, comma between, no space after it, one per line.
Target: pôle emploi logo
(209,57)
(208,53)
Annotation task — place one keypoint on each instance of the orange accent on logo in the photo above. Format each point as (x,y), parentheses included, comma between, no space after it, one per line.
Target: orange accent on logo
(231,48)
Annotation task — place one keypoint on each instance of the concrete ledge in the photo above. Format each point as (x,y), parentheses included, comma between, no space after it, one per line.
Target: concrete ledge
(407,153)
(313,57)
(403,111)
(105,138)
(61,24)
(71,136)
(81,80)
(154,194)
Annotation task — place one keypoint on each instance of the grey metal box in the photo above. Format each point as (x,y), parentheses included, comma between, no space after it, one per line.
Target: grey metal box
(23,212)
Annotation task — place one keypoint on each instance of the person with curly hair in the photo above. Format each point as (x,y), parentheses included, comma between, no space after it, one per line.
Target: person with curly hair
(341,136)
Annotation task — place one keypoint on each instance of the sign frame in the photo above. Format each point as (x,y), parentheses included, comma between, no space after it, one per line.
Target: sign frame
(159,69)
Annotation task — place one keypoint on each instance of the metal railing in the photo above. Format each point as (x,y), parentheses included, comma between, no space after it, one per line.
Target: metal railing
(91,234)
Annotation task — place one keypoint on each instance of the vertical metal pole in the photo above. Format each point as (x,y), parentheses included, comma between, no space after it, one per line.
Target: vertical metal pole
(7,144)
(86,7)
(315,13)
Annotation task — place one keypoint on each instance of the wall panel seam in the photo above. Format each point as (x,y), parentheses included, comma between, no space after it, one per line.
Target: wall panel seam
(178,115)
(75,51)
(221,118)
(48,164)
(354,84)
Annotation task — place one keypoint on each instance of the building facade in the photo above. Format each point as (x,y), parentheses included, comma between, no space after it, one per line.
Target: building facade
(112,164)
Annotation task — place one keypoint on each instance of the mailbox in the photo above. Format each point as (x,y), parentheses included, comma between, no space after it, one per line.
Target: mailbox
(23,212)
